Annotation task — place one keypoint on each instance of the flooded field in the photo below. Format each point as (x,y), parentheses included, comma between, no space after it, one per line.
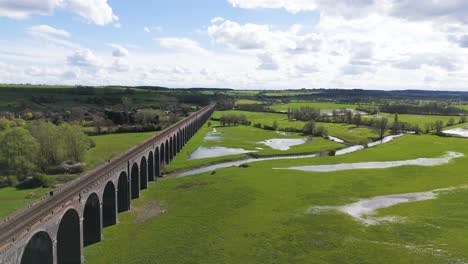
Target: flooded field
(461,131)
(283,143)
(208,152)
(378,165)
(363,209)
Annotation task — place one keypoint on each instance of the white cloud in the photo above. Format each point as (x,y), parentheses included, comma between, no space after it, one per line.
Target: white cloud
(97,11)
(20,9)
(84,58)
(248,36)
(348,8)
(45,29)
(119,51)
(146,29)
(181,44)
(267,62)
(51,35)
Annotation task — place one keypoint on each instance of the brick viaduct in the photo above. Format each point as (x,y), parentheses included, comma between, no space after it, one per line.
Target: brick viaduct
(54,229)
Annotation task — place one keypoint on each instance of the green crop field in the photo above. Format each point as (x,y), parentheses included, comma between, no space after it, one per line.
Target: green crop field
(259,214)
(245,137)
(349,133)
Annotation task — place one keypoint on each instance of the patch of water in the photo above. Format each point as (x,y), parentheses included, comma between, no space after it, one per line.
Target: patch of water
(461,131)
(338,140)
(384,140)
(283,143)
(378,165)
(237,163)
(363,209)
(212,136)
(240,162)
(203,152)
(349,150)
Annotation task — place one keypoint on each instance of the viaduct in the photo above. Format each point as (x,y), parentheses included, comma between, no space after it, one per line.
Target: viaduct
(54,229)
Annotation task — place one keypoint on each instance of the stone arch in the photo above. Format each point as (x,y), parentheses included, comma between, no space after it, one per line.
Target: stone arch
(157,161)
(123,193)
(151,166)
(109,208)
(143,173)
(39,250)
(92,220)
(166,152)
(171,148)
(69,239)
(135,181)
(162,154)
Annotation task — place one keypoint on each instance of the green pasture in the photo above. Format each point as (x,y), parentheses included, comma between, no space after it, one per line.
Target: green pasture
(108,146)
(247,101)
(258,214)
(246,137)
(12,199)
(316,105)
(349,133)
(420,120)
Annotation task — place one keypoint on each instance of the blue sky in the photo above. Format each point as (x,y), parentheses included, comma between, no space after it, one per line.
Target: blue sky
(251,44)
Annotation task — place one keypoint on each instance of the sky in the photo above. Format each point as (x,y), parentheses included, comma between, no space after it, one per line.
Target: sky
(241,44)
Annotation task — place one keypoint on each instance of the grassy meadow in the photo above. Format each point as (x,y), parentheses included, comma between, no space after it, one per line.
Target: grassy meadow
(316,105)
(347,132)
(245,137)
(258,214)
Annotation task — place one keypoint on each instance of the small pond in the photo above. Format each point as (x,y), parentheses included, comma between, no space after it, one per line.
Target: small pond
(204,152)
(461,131)
(283,143)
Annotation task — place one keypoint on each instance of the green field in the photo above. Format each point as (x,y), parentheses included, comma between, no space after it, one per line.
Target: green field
(317,105)
(258,214)
(108,146)
(12,199)
(245,137)
(247,101)
(349,133)
(420,120)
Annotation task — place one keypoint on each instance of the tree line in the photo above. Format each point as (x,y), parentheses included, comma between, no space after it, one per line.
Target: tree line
(30,150)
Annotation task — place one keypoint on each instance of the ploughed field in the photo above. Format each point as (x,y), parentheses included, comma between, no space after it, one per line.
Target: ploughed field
(408,206)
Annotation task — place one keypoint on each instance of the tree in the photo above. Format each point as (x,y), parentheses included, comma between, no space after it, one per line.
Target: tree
(309,128)
(357,120)
(396,125)
(50,146)
(18,151)
(451,122)
(438,125)
(380,127)
(75,142)
(275,125)
(127,104)
(462,120)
